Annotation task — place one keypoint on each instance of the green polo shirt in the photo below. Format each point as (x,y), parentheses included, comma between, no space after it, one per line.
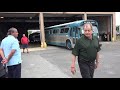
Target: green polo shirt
(86,49)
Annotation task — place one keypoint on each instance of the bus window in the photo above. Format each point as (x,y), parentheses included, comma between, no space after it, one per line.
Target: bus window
(55,31)
(95,30)
(66,30)
(50,31)
(81,30)
(62,30)
(78,29)
(77,33)
(70,31)
(74,28)
(47,32)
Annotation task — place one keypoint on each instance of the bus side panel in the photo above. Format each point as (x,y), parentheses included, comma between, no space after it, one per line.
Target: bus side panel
(55,40)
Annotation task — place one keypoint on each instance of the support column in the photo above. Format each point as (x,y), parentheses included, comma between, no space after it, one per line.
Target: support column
(114,27)
(42,35)
(108,28)
(85,16)
(111,26)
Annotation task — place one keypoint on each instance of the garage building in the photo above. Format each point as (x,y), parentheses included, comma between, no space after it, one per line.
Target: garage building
(39,20)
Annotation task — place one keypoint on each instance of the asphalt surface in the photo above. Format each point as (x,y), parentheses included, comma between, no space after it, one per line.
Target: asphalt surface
(54,62)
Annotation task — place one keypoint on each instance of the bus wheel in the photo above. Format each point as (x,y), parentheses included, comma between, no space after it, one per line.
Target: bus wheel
(68,45)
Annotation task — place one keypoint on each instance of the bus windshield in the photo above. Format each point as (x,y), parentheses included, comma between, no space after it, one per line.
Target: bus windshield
(95,29)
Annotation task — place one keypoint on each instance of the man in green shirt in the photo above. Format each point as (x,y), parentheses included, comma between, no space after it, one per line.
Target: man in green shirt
(86,48)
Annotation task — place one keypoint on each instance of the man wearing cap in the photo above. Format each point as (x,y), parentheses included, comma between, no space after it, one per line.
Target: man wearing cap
(11,49)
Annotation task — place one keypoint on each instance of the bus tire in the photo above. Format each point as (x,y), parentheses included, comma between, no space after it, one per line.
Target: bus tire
(68,45)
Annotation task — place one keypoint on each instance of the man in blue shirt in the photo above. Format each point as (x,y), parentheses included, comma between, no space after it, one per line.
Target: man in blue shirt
(11,49)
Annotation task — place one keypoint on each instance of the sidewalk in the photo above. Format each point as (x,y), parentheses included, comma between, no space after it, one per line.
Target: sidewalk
(34,66)
(39,48)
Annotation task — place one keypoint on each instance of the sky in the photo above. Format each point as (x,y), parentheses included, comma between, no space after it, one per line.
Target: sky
(117,18)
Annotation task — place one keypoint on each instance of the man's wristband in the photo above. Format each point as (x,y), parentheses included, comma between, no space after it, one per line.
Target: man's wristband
(4,58)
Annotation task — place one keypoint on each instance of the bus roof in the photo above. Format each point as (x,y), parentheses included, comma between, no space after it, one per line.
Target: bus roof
(75,22)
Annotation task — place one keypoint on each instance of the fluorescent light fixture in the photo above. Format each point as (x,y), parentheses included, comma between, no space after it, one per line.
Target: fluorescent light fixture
(30,17)
(1,17)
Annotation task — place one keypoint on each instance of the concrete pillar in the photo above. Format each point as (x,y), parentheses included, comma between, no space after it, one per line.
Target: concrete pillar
(114,27)
(85,16)
(41,22)
(108,29)
(111,27)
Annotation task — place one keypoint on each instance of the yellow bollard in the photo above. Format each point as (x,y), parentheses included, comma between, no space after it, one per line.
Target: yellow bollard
(45,45)
(41,44)
(113,39)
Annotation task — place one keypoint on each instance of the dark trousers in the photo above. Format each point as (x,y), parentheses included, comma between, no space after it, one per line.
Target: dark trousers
(14,71)
(87,69)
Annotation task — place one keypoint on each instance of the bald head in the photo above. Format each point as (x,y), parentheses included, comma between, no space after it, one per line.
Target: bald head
(13,31)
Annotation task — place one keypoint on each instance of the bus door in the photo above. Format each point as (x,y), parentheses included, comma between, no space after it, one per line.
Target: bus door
(81,31)
(75,34)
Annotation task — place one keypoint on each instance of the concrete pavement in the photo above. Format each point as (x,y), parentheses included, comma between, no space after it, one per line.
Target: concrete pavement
(55,62)
(34,66)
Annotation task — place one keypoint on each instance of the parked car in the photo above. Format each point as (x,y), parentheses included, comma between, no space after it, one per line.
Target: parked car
(34,37)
